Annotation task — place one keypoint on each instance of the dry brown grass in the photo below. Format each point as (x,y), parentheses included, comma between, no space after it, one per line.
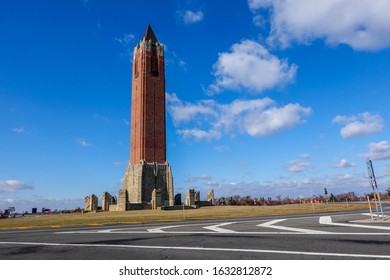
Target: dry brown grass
(149,216)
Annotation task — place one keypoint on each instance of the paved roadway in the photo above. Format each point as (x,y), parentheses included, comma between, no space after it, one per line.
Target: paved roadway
(325,236)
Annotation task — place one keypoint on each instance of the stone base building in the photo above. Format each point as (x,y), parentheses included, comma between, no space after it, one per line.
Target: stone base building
(142,178)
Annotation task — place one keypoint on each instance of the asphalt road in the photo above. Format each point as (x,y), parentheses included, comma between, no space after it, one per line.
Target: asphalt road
(326,236)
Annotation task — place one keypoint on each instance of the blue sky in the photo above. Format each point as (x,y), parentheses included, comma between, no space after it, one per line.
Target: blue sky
(264,98)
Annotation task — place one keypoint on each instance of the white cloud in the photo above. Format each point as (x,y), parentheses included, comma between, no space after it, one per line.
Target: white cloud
(363,24)
(212,184)
(199,134)
(190,17)
(221,149)
(275,119)
(343,163)
(201,177)
(126,41)
(258,20)
(18,130)
(184,111)
(344,177)
(254,5)
(101,118)
(377,151)
(249,65)
(306,156)
(183,64)
(11,186)
(298,166)
(83,143)
(257,117)
(359,125)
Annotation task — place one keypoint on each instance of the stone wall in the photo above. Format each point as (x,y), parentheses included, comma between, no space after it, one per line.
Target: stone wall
(113,207)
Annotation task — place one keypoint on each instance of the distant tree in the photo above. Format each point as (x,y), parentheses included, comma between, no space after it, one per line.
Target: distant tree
(221,201)
(248,200)
(288,200)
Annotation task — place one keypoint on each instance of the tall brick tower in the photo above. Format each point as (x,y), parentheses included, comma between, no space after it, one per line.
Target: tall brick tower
(148,168)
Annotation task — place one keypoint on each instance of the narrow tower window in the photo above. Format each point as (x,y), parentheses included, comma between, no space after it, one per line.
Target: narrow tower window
(154,62)
(136,68)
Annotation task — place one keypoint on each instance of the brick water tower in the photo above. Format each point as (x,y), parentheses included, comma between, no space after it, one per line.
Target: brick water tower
(148,168)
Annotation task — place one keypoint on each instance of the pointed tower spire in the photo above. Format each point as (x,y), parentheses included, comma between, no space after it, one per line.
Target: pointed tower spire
(149,35)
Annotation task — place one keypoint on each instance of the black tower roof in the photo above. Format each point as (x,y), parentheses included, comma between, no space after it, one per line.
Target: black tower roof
(149,35)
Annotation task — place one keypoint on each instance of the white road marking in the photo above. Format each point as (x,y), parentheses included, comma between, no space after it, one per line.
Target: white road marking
(220,230)
(160,229)
(217,229)
(374,215)
(212,228)
(271,224)
(327,220)
(106,231)
(200,249)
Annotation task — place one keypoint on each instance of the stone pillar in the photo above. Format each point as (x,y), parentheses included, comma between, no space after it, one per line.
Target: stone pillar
(210,197)
(156,198)
(91,203)
(197,196)
(106,201)
(190,197)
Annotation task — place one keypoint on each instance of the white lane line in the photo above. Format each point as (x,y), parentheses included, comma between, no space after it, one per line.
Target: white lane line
(201,249)
(271,224)
(327,220)
(217,228)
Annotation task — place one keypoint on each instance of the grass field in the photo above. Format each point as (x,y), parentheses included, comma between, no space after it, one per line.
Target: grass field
(149,216)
